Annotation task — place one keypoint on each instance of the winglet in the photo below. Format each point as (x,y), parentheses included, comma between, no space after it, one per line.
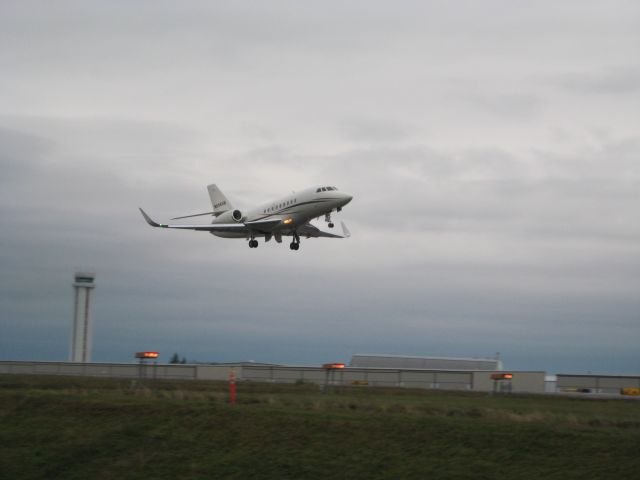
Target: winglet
(345,230)
(148,219)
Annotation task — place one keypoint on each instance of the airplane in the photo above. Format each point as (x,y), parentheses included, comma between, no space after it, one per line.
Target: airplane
(288,216)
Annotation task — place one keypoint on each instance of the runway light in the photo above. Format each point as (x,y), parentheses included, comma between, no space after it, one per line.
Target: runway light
(147,355)
(333,365)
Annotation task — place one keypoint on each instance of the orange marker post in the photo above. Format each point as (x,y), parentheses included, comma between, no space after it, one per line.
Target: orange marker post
(232,387)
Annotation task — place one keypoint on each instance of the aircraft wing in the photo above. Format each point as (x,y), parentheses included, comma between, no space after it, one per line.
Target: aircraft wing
(309,230)
(261,225)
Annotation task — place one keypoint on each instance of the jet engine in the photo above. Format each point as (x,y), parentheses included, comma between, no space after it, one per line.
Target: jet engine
(230,216)
(237,216)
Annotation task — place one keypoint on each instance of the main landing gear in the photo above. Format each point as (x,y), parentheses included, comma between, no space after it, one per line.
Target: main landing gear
(327,218)
(295,244)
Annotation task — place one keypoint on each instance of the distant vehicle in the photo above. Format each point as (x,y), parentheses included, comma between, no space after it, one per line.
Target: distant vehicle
(288,216)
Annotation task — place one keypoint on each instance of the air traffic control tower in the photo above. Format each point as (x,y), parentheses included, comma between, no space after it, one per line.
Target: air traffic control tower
(81,336)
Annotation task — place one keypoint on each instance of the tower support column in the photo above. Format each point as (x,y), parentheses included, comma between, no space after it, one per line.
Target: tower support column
(81,334)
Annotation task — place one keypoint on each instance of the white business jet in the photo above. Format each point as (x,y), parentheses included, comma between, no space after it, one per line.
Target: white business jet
(288,216)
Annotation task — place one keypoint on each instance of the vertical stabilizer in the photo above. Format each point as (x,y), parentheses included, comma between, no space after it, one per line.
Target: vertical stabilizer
(218,200)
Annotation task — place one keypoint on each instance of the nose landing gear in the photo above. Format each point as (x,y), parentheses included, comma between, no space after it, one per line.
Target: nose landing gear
(327,218)
(253,243)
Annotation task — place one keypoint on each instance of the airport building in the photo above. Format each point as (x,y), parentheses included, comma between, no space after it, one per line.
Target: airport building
(594,383)
(469,380)
(435,363)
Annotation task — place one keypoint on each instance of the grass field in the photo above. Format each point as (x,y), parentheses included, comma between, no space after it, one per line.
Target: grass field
(88,428)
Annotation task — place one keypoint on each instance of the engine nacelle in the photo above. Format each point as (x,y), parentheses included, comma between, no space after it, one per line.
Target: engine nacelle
(230,216)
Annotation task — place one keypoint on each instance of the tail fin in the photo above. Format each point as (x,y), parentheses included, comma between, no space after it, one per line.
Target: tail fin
(218,200)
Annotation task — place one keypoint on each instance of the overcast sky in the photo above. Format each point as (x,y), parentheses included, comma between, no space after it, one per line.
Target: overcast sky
(492,148)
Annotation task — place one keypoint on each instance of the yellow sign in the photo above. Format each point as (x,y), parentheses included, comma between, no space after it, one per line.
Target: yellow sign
(630,391)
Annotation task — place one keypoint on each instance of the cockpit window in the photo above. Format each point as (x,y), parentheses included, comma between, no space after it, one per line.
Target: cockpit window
(318,190)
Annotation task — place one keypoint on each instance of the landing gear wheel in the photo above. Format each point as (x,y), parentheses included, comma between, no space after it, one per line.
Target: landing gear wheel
(295,243)
(253,244)
(331,225)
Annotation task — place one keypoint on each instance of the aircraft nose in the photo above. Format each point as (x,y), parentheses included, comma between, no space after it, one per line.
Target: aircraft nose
(347,198)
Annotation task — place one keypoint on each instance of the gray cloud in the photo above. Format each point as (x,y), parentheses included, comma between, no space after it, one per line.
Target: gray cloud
(612,80)
(492,212)
(375,131)
(511,105)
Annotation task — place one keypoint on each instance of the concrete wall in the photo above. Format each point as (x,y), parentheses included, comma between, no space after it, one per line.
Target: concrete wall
(117,370)
(217,372)
(596,383)
(532,382)
(122,370)
(376,377)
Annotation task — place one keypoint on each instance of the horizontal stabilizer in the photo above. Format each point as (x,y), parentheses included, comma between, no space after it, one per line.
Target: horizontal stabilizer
(194,215)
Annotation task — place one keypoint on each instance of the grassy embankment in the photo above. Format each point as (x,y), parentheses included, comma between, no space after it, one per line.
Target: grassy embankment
(78,428)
